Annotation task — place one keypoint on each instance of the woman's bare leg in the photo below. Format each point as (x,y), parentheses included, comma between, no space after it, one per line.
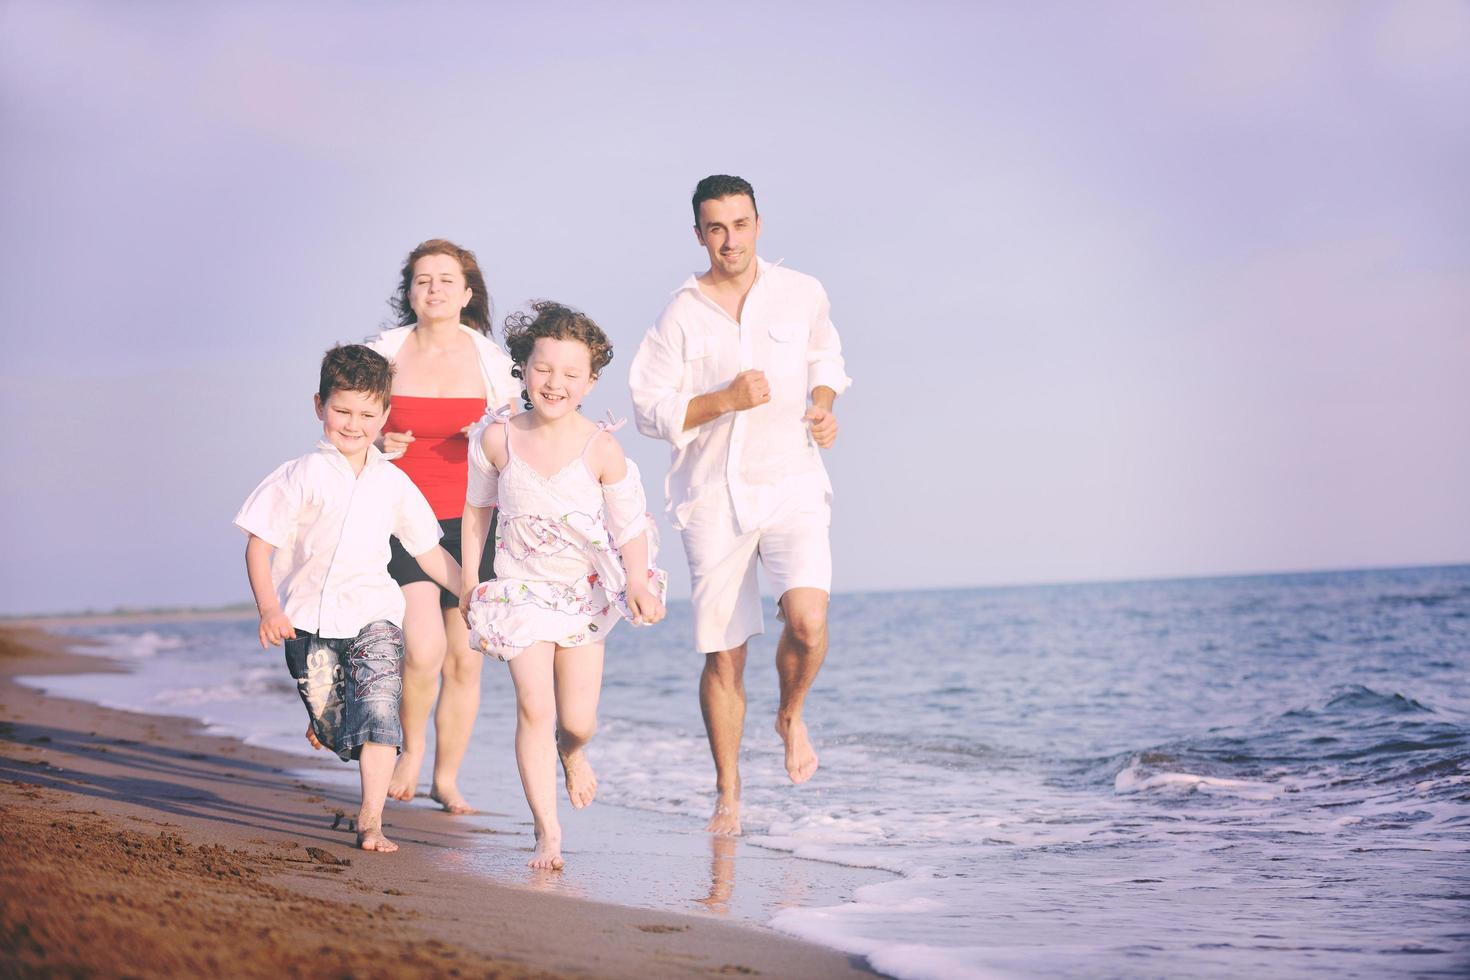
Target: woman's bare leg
(423,659)
(454,719)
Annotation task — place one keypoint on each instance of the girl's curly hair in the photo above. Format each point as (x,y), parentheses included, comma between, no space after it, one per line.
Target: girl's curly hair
(555,322)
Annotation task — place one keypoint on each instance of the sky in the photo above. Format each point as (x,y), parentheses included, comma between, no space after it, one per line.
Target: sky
(1127,290)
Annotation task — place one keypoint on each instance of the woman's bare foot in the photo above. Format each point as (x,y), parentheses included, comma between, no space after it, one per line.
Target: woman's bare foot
(316,743)
(801,758)
(581,779)
(372,839)
(450,798)
(726,818)
(547,855)
(405,780)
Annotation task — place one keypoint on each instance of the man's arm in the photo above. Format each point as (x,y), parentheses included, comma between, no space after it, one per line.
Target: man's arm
(746,391)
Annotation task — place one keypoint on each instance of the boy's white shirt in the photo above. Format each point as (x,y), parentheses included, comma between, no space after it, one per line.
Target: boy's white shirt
(501,388)
(330,528)
(763,455)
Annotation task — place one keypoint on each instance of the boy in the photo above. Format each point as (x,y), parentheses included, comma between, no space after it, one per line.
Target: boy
(317,558)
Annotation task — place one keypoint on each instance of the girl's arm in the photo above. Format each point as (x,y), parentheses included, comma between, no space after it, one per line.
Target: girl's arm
(486,458)
(472,530)
(627,522)
(274,626)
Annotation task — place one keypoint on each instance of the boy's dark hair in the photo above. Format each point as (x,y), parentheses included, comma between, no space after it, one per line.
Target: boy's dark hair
(480,309)
(353,367)
(716,186)
(556,322)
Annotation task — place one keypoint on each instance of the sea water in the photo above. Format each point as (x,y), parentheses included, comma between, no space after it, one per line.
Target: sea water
(1262,775)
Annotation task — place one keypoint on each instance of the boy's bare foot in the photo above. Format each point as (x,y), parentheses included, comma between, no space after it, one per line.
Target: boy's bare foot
(450,799)
(372,839)
(405,779)
(311,736)
(547,855)
(581,779)
(801,758)
(726,818)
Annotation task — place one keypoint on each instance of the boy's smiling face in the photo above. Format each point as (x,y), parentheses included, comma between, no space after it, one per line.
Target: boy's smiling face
(351,420)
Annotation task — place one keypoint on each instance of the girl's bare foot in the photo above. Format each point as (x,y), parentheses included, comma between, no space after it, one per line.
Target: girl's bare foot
(801,758)
(405,780)
(581,779)
(311,736)
(450,799)
(726,818)
(372,839)
(547,855)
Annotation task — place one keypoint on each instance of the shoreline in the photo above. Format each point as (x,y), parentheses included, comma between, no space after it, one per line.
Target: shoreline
(167,850)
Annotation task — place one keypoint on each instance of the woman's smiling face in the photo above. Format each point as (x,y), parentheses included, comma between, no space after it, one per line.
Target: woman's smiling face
(438,291)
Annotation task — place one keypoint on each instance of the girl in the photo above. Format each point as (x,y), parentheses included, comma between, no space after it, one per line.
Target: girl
(574,552)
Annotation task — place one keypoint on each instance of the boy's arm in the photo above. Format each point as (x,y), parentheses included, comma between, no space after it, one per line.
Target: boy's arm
(274,626)
(440,566)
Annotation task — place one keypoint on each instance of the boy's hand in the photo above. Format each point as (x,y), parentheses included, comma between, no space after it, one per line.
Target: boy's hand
(275,627)
(645,606)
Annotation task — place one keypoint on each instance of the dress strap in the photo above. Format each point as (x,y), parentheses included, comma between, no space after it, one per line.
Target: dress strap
(610,424)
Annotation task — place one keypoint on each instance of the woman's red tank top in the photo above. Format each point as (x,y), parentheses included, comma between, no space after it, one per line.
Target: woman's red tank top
(437,459)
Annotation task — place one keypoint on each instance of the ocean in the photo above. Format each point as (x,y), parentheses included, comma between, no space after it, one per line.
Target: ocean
(1262,775)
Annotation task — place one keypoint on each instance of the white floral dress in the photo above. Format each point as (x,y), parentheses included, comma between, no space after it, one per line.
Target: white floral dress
(559,575)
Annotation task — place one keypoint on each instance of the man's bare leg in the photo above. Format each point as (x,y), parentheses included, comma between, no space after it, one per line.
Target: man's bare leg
(375,764)
(722,702)
(423,659)
(454,719)
(799,655)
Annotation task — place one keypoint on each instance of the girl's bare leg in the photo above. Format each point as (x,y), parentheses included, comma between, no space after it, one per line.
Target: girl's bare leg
(454,719)
(578,686)
(532,672)
(375,765)
(423,659)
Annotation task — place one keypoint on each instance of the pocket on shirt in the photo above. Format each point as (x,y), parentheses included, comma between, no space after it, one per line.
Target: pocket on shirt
(699,365)
(787,331)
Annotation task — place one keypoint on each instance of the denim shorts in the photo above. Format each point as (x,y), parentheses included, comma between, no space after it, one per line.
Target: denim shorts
(351,687)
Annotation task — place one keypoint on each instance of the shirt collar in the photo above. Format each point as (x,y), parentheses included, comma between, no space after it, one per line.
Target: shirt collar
(325,447)
(761,268)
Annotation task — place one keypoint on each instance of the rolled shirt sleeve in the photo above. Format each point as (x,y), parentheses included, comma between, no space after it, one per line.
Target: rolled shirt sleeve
(824,352)
(270,512)
(660,397)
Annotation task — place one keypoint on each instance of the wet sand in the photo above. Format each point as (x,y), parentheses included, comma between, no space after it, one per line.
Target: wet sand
(139,845)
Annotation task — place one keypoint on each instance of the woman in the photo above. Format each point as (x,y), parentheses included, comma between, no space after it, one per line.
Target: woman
(446,373)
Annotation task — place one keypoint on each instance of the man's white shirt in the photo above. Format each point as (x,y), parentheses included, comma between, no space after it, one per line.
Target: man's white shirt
(330,528)
(762,455)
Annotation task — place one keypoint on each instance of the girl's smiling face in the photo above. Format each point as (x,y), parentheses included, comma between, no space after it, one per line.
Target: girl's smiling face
(558,375)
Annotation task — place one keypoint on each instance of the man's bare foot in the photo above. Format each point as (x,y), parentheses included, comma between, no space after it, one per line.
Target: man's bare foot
(405,779)
(726,818)
(316,743)
(581,779)
(372,839)
(801,758)
(450,799)
(547,855)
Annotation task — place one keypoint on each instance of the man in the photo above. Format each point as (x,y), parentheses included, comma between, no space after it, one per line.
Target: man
(739,373)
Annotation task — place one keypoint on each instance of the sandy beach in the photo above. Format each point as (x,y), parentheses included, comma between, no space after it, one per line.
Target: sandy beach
(140,845)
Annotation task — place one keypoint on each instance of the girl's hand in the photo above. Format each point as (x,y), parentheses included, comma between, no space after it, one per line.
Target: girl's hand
(464,603)
(275,627)
(645,606)
(396,442)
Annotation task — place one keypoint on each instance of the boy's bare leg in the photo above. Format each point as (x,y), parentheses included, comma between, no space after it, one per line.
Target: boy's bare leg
(423,659)
(578,686)
(375,764)
(799,655)
(454,719)
(722,702)
(533,675)
(316,743)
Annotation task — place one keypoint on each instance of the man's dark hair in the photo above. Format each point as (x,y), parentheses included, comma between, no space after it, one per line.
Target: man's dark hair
(716,186)
(353,367)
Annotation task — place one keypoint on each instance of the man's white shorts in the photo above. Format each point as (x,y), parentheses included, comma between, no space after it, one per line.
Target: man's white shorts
(793,544)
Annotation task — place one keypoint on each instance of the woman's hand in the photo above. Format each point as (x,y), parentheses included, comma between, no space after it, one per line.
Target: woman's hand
(396,442)
(644,605)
